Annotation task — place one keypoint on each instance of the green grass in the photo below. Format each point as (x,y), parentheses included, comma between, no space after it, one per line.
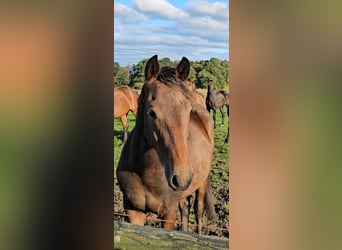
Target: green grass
(221,157)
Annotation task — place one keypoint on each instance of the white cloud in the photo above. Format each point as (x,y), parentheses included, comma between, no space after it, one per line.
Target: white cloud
(160,8)
(205,27)
(216,10)
(126,14)
(129,49)
(196,32)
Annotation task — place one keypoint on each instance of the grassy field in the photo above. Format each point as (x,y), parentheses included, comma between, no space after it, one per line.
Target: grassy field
(219,175)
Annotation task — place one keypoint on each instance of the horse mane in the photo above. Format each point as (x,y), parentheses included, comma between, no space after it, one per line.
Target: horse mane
(168,76)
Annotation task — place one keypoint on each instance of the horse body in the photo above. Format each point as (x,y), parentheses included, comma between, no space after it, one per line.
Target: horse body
(168,155)
(217,99)
(125,100)
(144,183)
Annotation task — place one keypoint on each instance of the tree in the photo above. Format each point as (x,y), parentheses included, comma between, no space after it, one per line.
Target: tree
(216,62)
(193,72)
(121,77)
(137,73)
(166,62)
(116,68)
(203,77)
(202,71)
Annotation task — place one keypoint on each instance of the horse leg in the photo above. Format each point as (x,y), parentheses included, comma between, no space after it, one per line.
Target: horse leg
(222,114)
(170,218)
(135,112)
(184,208)
(136,217)
(199,205)
(214,117)
(227,109)
(209,203)
(125,127)
(227,138)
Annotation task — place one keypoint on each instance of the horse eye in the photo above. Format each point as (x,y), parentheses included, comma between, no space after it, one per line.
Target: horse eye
(152,114)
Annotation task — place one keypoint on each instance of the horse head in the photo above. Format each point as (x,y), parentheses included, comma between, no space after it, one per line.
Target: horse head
(166,112)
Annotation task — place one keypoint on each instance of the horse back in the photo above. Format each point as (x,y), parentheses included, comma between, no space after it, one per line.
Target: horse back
(121,103)
(132,96)
(225,94)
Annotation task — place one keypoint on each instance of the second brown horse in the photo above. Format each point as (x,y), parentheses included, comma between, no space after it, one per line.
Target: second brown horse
(125,100)
(168,155)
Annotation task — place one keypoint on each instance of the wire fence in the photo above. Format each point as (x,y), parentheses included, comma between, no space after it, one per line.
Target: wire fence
(210,230)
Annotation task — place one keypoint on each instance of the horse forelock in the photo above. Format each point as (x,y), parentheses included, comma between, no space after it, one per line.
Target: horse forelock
(168,77)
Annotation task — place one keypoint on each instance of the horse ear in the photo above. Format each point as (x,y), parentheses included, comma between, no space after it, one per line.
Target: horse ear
(152,69)
(183,69)
(202,119)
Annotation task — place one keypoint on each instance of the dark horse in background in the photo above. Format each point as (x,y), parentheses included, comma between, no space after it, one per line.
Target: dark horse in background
(217,99)
(125,100)
(169,152)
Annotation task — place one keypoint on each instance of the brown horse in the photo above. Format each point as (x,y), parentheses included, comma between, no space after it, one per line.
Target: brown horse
(125,100)
(168,155)
(217,99)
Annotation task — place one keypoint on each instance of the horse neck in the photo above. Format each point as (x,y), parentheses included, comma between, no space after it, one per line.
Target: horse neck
(210,90)
(138,131)
(136,140)
(211,87)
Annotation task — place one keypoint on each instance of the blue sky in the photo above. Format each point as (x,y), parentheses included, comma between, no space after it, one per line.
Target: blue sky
(197,29)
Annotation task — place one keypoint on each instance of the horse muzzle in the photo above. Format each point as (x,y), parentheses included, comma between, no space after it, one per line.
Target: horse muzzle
(178,184)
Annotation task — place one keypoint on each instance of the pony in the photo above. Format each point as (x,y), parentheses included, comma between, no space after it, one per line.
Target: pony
(125,100)
(217,99)
(169,152)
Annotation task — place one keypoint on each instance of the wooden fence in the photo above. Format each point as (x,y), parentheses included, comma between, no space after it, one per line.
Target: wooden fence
(129,236)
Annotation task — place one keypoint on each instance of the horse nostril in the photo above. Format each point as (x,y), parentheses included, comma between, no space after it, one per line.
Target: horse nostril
(174,181)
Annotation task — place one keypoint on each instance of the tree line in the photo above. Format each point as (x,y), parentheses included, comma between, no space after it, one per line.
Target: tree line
(202,71)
